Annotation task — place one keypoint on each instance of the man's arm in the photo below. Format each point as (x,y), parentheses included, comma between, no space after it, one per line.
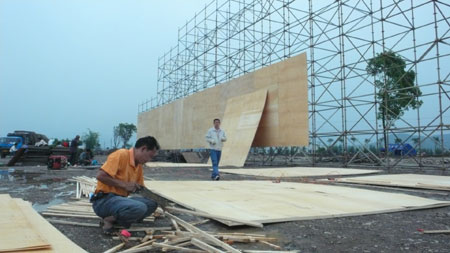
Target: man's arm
(224,137)
(105,178)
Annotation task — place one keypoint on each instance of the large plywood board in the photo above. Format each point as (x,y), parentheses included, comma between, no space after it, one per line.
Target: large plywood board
(58,241)
(403,180)
(298,172)
(267,202)
(183,123)
(21,226)
(16,231)
(175,165)
(241,119)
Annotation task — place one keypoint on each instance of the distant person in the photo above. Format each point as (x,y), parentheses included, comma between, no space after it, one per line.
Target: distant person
(86,157)
(120,175)
(13,149)
(74,149)
(215,137)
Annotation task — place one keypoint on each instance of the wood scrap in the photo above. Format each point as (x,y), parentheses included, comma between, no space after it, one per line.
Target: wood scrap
(436,232)
(178,249)
(136,250)
(270,244)
(209,237)
(205,246)
(115,248)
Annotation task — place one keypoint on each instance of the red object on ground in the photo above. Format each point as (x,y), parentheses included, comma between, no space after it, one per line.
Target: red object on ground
(57,162)
(420,229)
(125,233)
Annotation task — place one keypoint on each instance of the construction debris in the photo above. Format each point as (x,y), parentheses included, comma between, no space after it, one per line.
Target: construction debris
(182,236)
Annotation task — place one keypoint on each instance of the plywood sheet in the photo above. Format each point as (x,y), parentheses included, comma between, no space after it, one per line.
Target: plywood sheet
(183,123)
(241,120)
(267,202)
(297,172)
(403,180)
(173,165)
(16,231)
(58,241)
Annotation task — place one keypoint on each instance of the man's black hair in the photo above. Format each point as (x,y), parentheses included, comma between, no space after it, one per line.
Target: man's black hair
(149,141)
(214,121)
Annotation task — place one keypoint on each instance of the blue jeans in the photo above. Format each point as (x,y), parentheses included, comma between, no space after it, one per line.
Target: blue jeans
(125,210)
(215,159)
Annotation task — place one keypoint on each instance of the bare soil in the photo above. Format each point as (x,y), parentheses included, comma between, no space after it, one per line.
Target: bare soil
(393,232)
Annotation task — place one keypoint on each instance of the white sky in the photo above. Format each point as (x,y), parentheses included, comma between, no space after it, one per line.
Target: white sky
(69,66)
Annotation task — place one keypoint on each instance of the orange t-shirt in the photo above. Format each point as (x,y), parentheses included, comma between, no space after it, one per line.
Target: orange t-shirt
(120,165)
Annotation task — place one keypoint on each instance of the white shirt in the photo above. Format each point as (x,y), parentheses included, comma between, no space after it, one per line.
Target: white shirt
(13,149)
(215,138)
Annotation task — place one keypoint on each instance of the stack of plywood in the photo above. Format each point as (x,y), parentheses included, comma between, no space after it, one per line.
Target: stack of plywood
(23,229)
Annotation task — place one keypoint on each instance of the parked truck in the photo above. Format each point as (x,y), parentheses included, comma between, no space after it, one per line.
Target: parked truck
(21,138)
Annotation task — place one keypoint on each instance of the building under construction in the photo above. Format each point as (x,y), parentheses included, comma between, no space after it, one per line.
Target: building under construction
(228,39)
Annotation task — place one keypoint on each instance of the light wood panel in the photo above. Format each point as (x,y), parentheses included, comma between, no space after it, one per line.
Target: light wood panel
(173,165)
(183,123)
(403,180)
(297,172)
(267,202)
(21,227)
(16,232)
(241,119)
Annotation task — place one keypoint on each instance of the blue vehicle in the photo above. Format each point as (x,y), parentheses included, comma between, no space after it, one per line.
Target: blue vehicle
(7,142)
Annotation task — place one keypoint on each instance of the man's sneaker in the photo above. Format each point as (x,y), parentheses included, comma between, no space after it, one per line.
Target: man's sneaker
(217,178)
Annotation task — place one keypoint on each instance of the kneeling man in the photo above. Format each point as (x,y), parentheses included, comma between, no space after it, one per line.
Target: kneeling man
(121,175)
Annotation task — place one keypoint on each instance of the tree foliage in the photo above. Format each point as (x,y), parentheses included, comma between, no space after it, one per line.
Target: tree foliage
(124,131)
(91,140)
(396,90)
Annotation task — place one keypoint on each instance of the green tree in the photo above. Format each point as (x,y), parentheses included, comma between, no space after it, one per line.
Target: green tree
(125,131)
(91,140)
(116,140)
(396,90)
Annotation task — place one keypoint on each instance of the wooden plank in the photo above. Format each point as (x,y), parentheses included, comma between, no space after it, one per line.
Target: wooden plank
(436,231)
(268,202)
(403,180)
(284,120)
(205,246)
(16,230)
(115,248)
(209,237)
(240,122)
(178,249)
(57,240)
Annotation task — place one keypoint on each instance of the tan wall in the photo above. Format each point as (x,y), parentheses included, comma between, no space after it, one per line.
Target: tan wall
(183,123)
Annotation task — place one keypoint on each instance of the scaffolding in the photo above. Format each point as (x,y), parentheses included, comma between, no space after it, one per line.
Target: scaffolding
(230,38)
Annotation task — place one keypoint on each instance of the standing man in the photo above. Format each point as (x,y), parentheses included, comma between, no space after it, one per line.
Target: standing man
(74,150)
(215,136)
(121,175)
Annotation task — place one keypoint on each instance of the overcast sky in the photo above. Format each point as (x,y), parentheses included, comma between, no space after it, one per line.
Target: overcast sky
(67,66)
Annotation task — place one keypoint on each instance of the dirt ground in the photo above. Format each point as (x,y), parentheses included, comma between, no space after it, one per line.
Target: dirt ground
(392,232)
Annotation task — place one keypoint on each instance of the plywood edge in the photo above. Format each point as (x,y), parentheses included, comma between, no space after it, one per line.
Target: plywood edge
(417,186)
(394,210)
